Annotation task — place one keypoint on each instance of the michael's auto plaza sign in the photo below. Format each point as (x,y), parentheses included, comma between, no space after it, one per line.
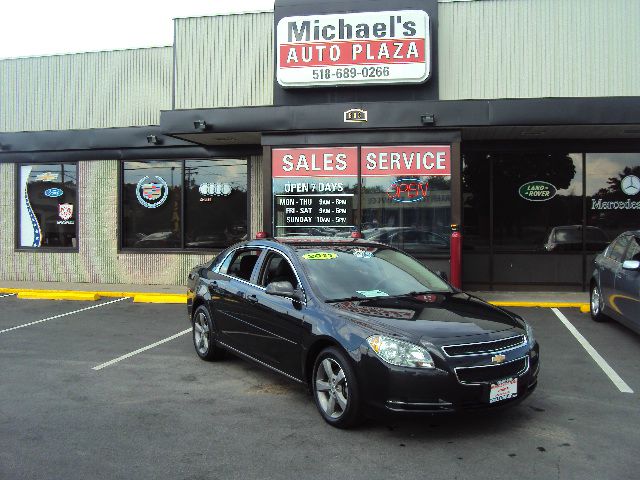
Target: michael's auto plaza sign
(353,48)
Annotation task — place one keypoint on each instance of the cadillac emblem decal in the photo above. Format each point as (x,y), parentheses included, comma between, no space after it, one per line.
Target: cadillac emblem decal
(152,194)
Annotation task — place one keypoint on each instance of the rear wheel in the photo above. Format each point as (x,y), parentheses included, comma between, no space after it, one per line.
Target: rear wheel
(596,303)
(204,336)
(335,389)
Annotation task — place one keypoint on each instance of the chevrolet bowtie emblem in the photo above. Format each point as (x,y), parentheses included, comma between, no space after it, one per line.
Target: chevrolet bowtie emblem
(498,358)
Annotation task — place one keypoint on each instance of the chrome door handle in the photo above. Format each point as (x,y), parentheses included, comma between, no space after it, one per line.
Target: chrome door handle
(252,298)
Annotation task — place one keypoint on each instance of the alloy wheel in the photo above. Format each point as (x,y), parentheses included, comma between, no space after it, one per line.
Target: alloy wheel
(595,300)
(201,333)
(331,388)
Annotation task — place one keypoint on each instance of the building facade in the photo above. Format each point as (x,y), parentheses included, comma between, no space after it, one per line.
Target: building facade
(517,120)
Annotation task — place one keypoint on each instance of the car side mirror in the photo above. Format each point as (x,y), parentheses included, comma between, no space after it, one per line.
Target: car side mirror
(283,289)
(631,265)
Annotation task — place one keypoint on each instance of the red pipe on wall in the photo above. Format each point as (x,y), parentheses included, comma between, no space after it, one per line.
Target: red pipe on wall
(455,273)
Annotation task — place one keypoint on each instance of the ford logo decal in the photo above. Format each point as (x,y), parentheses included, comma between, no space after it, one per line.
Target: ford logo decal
(53,192)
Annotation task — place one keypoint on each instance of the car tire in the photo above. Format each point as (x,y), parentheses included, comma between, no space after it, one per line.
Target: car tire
(203,334)
(596,304)
(335,389)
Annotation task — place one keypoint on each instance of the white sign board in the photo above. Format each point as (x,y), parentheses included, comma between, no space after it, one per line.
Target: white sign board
(354,49)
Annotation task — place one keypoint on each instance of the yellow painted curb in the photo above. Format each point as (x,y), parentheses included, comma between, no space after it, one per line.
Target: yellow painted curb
(160,298)
(584,307)
(45,295)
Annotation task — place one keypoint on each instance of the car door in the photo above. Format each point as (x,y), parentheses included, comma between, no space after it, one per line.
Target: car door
(609,267)
(627,286)
(279,319)
(229,289)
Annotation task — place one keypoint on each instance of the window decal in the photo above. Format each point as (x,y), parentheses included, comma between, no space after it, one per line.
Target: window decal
(152,194)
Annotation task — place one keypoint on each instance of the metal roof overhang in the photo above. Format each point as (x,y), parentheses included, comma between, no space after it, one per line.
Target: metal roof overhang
(243,130)
(477,120)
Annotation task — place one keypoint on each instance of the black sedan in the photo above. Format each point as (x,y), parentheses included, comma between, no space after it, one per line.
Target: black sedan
(364,325)
(615,282)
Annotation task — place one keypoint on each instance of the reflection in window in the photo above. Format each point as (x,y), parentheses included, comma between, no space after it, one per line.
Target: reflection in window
(410,214)
(214,193)
(613,191)
(533,193)
(152,200)
(216,202)
(48,205)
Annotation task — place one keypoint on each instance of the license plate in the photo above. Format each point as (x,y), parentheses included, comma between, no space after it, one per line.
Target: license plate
(503,390)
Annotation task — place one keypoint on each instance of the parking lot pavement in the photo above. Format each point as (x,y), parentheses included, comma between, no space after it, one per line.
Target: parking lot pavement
(163,413)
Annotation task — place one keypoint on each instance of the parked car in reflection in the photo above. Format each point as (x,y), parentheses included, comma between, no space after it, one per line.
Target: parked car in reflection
(364,325)
(413,240)
(568,238)
(615,282)
(159,240)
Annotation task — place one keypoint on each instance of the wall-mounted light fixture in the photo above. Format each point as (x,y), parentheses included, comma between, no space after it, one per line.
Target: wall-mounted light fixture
(200,125)
(153,139)
(428,119)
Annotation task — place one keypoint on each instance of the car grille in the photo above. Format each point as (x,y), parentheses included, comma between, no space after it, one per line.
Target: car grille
(484,347)
(491,373)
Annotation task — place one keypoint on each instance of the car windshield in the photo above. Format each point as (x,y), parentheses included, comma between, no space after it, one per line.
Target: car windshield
(354,272)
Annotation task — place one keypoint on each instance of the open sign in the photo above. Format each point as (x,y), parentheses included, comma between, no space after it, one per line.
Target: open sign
(407,190)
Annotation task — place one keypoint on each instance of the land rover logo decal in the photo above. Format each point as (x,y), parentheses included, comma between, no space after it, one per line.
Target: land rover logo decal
(537,191)
(152,194)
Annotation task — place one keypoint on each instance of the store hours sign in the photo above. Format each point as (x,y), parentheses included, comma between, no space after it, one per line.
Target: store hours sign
(314,189)
(353,48)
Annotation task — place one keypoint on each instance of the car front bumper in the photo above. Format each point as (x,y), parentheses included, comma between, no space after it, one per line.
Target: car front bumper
(399,389)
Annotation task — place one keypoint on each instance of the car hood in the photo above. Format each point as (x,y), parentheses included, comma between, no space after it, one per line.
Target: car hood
(431,316)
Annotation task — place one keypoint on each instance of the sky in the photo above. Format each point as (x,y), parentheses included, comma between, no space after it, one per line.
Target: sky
(51,27)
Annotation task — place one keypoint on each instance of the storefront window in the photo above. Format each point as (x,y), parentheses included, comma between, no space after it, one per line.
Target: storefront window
(48,205)
(405,194)
(216,202)
(213,192)
(537,202)
(315,191)
(613,193)
(476,201)
(406,197)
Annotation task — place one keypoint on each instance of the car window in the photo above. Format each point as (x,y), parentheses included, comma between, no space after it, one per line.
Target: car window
(633,252)
(617,249)
(240,264)
(277,269)
(338,272)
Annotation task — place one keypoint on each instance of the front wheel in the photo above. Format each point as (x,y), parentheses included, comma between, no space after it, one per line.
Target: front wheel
(335,389)
(203,335)
(596,303)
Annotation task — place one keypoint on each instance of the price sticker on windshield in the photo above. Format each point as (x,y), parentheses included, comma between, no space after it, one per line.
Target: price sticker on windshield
(319,256)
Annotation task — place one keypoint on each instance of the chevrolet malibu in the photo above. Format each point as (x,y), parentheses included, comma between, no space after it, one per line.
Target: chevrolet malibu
(365,326)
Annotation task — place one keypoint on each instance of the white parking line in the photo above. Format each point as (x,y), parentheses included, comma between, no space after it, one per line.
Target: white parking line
(601,362)
(62,315)
(140,350)
(7,295)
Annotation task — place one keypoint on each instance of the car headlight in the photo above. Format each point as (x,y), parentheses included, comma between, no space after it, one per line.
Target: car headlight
(529,331)
(402,354)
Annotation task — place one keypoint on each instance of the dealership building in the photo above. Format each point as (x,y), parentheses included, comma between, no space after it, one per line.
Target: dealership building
(517,122)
